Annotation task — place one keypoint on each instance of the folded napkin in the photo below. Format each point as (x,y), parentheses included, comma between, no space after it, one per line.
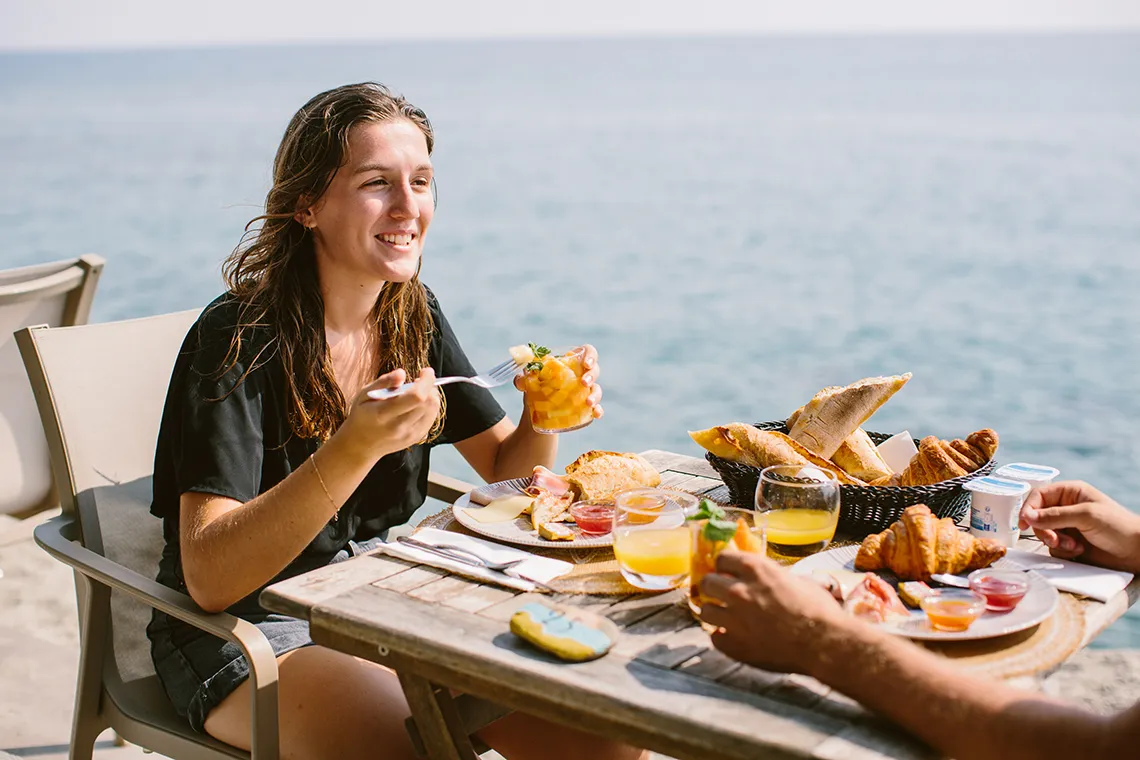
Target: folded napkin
(1075,577)
(542,569)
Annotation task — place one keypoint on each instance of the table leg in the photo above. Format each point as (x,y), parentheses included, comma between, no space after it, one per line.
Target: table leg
(437,720)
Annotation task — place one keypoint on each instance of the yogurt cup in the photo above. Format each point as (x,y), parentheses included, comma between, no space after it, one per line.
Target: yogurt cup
(995,505)
(1036,475)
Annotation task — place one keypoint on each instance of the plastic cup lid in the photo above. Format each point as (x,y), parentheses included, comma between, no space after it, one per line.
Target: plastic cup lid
(1024,471)
(997,486)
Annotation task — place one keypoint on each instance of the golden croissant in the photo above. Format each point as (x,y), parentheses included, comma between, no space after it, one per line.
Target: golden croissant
(919,544)
(938,460)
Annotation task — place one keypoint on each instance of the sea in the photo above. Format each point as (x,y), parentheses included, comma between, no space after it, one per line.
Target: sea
(733,222)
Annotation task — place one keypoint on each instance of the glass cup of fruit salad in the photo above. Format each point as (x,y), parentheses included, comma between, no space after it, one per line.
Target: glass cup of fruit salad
(713,529)
(555,394)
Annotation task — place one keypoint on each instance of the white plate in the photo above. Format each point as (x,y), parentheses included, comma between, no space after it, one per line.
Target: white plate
(519,530)
(1037,604)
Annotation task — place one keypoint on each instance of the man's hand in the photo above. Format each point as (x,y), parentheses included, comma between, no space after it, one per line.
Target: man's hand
(768,617)
(1076,521)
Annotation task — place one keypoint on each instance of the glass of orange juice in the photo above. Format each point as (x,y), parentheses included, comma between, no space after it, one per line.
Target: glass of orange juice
(555,393)
(801,503)
(651,542)
(714,529)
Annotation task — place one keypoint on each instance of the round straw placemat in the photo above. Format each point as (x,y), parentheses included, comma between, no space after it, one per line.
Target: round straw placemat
(595,570)
(1030,651)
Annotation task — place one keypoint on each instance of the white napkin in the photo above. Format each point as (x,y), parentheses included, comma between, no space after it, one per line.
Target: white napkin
(1075,577)
(897,450)
(543,569)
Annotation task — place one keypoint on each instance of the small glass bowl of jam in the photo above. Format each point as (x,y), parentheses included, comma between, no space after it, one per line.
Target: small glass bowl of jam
(953,610)
(1003,589)
(594,518)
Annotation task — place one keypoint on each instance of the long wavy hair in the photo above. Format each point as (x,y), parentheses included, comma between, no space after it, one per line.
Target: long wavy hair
(273,272)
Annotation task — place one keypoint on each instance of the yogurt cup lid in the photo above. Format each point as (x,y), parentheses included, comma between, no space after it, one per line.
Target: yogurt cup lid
(997,486)
(1025,471)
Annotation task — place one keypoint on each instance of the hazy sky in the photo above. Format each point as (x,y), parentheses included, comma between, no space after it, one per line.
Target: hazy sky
(86,24)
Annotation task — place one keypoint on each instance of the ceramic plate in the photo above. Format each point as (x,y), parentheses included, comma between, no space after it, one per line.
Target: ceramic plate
(1037,604)
(519,530)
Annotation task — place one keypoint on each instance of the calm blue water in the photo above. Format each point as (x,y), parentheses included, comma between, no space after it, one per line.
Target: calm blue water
(734,223)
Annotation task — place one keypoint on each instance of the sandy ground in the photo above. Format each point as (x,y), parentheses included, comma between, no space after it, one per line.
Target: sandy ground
(39,656)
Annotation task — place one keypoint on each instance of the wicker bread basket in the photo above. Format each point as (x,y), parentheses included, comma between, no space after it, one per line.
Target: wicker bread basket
(862,509)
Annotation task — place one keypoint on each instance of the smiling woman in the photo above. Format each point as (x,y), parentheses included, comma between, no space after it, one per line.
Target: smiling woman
(273,460)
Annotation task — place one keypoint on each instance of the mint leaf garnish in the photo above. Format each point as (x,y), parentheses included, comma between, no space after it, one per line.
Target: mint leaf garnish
(719,530)
(539,351)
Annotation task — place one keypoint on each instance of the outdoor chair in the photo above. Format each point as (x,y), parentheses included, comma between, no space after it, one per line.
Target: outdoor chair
(100,390)
(58,293)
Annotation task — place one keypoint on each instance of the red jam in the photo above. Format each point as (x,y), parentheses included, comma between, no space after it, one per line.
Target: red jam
(1002,589)
(593,519)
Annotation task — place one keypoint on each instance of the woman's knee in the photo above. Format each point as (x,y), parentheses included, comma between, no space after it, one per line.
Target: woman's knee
(329,705)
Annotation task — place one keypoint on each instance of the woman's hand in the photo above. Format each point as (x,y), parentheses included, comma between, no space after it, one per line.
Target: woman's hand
(378,427)
(768,617)
(1076,521)
(589,378)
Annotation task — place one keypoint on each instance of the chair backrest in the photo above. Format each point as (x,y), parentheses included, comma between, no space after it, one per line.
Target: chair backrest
(56,294)
(100,390)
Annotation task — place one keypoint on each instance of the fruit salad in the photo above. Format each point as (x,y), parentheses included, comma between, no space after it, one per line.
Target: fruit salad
(555,393)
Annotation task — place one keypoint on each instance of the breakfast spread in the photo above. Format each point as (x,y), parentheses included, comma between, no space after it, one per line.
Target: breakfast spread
(920,544)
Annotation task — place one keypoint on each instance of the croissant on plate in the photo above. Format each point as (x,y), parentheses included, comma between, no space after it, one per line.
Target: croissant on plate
(919,544)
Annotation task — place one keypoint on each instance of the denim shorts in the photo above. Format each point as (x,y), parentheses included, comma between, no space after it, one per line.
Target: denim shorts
(198,670)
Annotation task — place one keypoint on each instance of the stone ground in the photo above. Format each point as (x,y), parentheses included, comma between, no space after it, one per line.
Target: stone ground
(39,657)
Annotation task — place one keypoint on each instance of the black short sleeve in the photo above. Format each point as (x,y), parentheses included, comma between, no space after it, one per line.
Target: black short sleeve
(470,409)
(216,439)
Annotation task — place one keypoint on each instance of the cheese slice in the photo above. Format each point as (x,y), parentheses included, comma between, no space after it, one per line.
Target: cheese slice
(501,509)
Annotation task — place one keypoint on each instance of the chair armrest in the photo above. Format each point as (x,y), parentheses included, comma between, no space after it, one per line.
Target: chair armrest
(55,537)
(446,488)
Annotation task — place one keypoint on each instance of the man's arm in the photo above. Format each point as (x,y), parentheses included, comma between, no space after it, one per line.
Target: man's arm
(774,620)
(962,715)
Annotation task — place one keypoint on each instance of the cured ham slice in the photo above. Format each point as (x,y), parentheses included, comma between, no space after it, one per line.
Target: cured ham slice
(875,601)
(545,480)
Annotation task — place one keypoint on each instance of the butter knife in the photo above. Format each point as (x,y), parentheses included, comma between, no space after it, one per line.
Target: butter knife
(465,557)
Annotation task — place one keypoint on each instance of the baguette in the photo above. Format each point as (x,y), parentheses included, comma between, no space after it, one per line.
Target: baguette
(835,413)
(738,442)
(857,455)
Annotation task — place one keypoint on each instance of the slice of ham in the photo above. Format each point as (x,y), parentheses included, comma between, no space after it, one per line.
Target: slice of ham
(545,480)
(875,601)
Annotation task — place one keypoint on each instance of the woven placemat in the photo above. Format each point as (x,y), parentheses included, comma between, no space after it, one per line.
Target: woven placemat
(1032,651)
(595,570)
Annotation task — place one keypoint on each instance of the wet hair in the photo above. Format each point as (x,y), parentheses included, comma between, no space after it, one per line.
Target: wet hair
(273,273)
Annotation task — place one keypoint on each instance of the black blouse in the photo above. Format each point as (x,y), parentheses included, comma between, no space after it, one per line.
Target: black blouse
(237,442)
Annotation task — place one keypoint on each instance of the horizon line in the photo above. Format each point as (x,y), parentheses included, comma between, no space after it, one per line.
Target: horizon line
(616,36)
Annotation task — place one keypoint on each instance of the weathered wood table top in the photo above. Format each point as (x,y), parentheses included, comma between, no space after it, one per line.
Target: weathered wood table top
(661,687)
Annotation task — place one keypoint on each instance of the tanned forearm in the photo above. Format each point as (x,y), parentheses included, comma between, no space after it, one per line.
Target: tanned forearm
(961,715)
(522,450)
(230,549)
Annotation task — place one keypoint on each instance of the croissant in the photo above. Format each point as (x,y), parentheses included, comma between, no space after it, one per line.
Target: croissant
(919,544)
(942,460)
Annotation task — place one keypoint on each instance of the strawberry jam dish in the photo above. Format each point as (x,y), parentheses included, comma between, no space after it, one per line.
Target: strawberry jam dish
(592,517)
(1003,589)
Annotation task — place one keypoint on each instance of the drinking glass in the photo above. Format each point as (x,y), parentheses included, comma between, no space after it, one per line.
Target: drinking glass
(651,542)
(740,530)
(802,506)
(556,395)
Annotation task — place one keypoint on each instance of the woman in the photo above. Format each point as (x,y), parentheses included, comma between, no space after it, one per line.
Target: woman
(272,460)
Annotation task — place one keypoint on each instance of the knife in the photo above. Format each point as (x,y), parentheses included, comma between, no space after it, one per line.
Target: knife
(465,557)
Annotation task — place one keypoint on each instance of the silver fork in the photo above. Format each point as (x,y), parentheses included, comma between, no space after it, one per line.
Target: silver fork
(498,375)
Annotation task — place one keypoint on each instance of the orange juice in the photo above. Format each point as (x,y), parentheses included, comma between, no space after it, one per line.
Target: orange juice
(800,532)
(654,551)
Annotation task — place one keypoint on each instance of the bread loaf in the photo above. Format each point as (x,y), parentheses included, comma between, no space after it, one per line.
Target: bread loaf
(835,413)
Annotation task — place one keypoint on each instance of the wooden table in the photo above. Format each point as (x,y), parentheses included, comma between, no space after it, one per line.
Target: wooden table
(661,687)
